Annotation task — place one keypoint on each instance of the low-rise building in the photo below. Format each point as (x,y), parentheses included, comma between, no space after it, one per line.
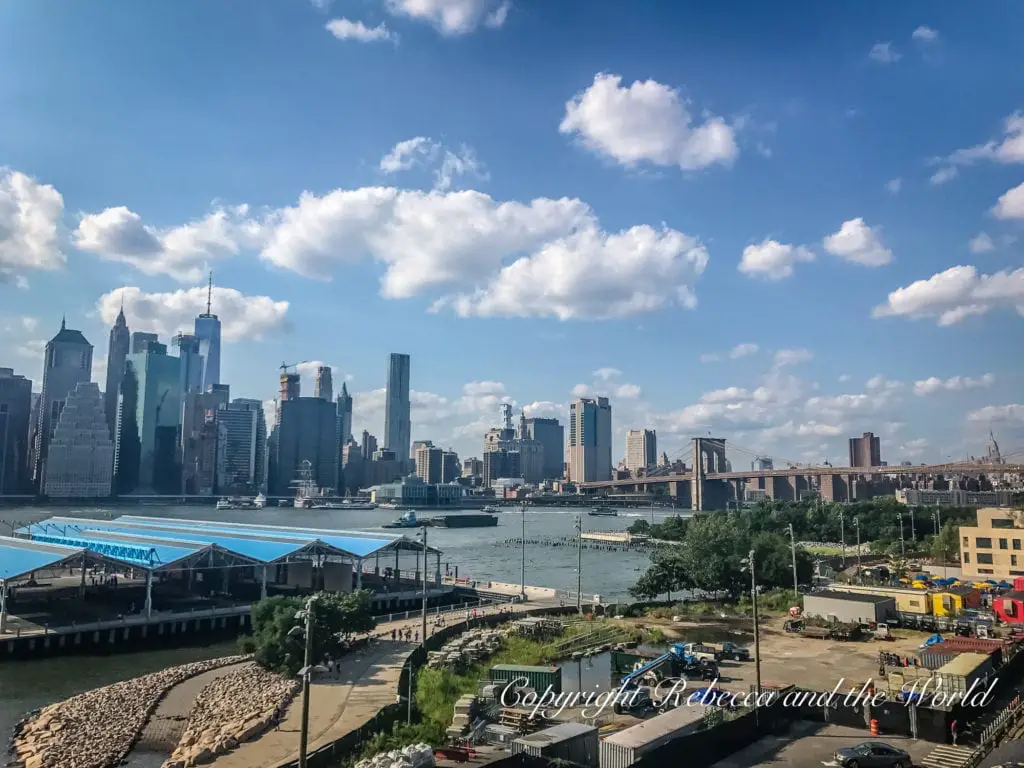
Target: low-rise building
(956,497)
(849,607)
(413,492)
(952,601)
(994,548)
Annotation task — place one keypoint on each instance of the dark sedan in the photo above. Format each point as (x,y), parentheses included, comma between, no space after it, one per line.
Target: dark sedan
(872,754)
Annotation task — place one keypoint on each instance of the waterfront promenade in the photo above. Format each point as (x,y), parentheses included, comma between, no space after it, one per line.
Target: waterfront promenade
(365,682)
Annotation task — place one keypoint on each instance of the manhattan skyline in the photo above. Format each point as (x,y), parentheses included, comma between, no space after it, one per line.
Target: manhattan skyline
(782,228)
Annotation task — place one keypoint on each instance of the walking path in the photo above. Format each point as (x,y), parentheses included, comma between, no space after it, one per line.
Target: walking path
(364,683)
(163,731)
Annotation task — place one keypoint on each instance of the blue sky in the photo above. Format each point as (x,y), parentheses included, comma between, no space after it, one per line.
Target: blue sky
(706,211)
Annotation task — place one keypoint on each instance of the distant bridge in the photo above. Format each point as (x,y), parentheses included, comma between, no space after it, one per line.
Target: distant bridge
(708,486)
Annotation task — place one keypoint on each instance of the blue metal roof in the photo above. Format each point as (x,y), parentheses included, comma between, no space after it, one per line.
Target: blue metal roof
(138,554)
(20,557)
(357,543)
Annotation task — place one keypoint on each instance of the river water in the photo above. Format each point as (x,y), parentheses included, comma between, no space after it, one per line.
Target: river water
(480,553)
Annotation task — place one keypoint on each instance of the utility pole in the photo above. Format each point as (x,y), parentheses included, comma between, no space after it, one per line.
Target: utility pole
(842,534)
(792,547)
(757,637)
(408,705)
(913,533)
(579,564)
(899,520)
(856,524)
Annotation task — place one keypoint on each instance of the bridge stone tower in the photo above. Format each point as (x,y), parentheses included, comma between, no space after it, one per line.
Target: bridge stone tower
(708,457)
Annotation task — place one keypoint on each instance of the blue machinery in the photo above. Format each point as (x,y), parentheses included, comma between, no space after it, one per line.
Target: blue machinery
(674,656)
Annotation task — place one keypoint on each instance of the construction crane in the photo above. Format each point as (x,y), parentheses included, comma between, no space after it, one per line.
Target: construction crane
(286,366)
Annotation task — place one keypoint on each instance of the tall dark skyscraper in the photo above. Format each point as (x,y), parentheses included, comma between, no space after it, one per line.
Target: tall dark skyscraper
(141,341)
(15,411)
(397,409)
(344,415)
(207,330)
(323,384)
(865,451)
(551,435)
(307,430)
(117,351)
(67,362)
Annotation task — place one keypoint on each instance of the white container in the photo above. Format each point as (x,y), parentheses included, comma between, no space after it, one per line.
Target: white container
(622,749)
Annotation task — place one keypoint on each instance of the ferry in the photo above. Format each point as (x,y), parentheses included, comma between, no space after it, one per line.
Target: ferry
(491,509)
(408,520)
(603,512)
(345,504)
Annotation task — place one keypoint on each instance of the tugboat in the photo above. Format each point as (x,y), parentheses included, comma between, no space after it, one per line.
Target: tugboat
(408,520)
(603,512)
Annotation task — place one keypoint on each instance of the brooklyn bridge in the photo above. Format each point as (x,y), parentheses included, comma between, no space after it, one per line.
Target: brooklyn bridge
(708,485)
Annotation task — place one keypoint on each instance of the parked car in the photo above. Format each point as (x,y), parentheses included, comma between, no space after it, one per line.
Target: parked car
(872,754)
(735,652)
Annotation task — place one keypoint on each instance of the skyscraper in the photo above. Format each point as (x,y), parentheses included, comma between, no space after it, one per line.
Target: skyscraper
(141,341)
(244,430)
(430,464)
(67,362)
(80,457)
(344,416)
(323,383)
(199,440)
(117,351)
(149,422)
(397,409)
(15,413)
(865,451)
(191,363)
(307,431)
(590,440)
(550,434)
(207,330)
(641,449)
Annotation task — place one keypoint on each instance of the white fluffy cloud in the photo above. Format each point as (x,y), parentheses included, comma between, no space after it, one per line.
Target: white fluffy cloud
(183,252)
(448,164)
(738,351)
(346,29)
(1007,149)
(955,294)
(981,243)
(646,122)
(773,260)
(241,316)
(784,357)
(894,185)
(925,34)
(1010,204)
(592,274)
(934,384)
(858,243)
(884,53)
(604,374)
(1013,413)
(30,216)
(453,17)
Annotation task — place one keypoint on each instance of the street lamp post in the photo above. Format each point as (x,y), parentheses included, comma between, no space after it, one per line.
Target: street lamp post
(842,535)
(579,564)
(792,547)
(899,520)
(423,532)
(522,587)
(305,615)
(913,533)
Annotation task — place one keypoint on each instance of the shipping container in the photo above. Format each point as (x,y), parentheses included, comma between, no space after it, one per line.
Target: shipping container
(907,600)
(997,649)
(574,742)
(958,674)
(538,678)
(934,659)
(624,748)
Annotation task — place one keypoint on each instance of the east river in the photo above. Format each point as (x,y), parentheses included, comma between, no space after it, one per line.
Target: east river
(479,553)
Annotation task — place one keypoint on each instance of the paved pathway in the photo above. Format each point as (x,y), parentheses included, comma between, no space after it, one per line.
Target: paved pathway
(165,726)
(366,682)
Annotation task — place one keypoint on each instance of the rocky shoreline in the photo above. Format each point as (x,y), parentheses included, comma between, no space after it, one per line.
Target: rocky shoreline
(234,708)
(98,728)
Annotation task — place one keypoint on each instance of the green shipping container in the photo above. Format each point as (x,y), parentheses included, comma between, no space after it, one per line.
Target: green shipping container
(539,678)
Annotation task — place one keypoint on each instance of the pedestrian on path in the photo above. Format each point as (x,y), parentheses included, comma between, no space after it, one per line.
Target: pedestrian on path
(393,631)
(953,732)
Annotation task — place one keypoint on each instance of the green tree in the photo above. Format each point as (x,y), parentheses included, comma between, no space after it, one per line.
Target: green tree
(666,574)
(946,546)
(639,528)
(336,617)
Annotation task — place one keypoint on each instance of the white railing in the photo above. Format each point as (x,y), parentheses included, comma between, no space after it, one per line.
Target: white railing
(131,620)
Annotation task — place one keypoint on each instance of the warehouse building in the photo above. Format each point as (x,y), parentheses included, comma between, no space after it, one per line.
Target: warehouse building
(849,607)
